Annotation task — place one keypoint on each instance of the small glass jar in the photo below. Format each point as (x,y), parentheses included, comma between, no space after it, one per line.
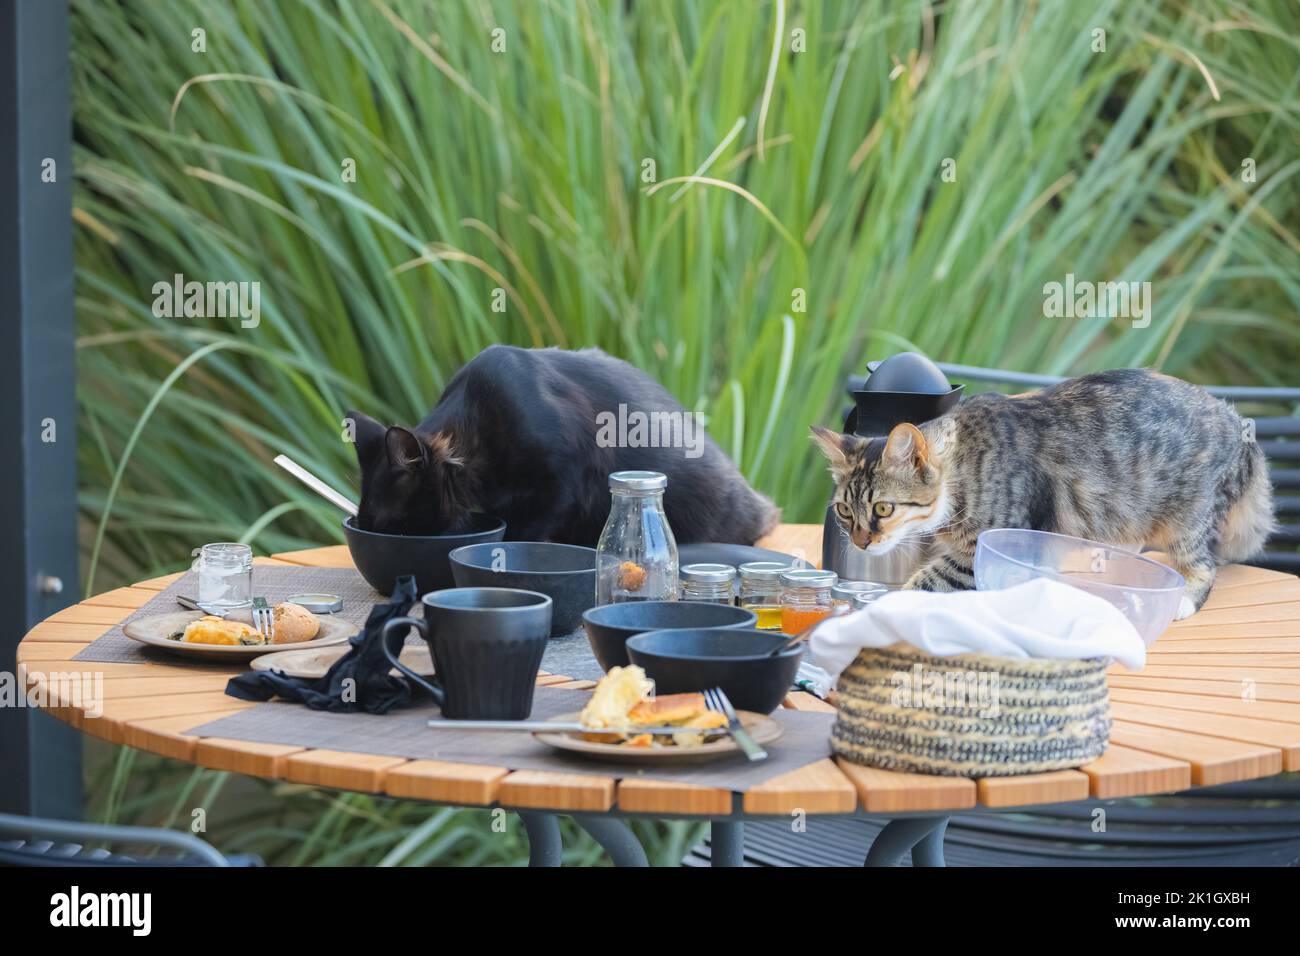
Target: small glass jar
(714,583)
(846,593)
(760,592)
(636,557)
(863,598)
(805,598)
(225,572)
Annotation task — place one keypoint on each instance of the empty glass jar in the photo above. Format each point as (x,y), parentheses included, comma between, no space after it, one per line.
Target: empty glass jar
(636,557)
(855,595)
(225,572)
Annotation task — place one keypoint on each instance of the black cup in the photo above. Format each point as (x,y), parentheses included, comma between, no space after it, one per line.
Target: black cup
(487,646)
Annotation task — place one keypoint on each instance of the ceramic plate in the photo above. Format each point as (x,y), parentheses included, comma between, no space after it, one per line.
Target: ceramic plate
(153,631)
(310,662)
(761,727)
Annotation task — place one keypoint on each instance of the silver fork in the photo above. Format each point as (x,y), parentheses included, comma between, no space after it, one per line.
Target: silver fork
(263,619)
(716,699)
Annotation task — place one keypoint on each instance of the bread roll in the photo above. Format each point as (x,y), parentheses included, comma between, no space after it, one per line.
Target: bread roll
(294,624)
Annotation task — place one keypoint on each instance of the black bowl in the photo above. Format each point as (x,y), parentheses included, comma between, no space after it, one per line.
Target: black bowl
(383,558)
(738,661)
(609,626)
(566,573)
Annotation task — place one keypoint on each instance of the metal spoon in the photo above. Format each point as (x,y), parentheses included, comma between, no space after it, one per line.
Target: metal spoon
(316,485)
(781,648)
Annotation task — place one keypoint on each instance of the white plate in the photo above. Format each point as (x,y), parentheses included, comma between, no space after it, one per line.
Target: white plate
(309,663)
(154,631)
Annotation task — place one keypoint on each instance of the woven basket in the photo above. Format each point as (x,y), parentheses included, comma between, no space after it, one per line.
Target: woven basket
(975,715)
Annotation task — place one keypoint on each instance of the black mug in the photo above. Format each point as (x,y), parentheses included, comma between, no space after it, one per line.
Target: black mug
(486,645)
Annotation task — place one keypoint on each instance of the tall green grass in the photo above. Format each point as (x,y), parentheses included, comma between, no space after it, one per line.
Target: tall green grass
(818,229)
(523,170)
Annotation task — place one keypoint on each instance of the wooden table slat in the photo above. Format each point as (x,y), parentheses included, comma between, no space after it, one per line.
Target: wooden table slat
(887,791)
(464,784)
(1283,737)
(665,796)
(342,770)
(1269,710)
(1213,760)
(1121,772)
(1263,690)
(544,789)
(1057,786)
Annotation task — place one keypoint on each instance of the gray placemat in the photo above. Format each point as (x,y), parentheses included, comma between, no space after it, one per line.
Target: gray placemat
(405,733)
(276,583)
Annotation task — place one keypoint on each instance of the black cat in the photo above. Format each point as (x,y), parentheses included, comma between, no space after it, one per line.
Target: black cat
(526,434)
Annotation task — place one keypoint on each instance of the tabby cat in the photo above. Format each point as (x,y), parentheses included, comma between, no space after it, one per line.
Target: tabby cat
(1129,457)
(516,434)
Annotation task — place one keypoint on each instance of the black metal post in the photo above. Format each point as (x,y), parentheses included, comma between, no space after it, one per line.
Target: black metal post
(40,758)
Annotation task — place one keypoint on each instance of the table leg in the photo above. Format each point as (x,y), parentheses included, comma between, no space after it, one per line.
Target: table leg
(617,839)
(544,845)
(929,850)
(727,843)
(922,835)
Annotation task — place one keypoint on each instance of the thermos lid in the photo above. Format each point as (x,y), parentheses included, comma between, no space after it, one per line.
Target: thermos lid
(638,481)
(808,578)
(707,573)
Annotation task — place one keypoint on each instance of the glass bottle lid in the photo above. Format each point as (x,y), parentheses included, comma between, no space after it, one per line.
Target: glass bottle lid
(638,481)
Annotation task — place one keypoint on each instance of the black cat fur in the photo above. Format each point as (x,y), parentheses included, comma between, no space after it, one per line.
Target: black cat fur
(514,435)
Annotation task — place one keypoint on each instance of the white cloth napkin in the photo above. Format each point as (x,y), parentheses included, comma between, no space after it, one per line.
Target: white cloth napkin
(1040,618)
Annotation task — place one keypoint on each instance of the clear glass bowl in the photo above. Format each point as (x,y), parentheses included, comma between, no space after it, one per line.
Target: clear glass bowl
(1145,591)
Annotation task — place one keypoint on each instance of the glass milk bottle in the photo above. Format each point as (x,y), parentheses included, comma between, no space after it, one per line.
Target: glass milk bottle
(636,557)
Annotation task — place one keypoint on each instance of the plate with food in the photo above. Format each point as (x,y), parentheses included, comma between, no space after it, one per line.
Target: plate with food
(233,637)
(310,663)
(624,701)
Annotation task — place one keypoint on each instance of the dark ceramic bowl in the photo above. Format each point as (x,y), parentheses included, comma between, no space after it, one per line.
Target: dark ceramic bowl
(738,661)
(566,573)
(609,626)
(383,558)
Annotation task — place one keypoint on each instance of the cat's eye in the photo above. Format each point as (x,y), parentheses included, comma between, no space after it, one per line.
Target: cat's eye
(844,511)
(883,509)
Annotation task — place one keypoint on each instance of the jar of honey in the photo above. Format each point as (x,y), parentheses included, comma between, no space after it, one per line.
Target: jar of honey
(805,598)
(712,583)
(760,592)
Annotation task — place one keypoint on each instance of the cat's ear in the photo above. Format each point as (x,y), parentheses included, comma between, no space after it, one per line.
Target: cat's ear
(840,449)
(405,450)
(442,451)
(906,446)
(367,434)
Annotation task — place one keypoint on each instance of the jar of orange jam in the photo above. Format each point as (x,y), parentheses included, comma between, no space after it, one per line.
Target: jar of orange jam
(805,598)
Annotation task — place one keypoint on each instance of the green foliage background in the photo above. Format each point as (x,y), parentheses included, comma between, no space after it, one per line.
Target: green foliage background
(553,170)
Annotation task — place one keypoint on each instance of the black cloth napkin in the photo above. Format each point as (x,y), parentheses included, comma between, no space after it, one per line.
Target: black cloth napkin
(358,681)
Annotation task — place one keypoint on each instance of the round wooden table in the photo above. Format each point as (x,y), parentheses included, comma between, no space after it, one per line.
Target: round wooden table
(1219,701)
